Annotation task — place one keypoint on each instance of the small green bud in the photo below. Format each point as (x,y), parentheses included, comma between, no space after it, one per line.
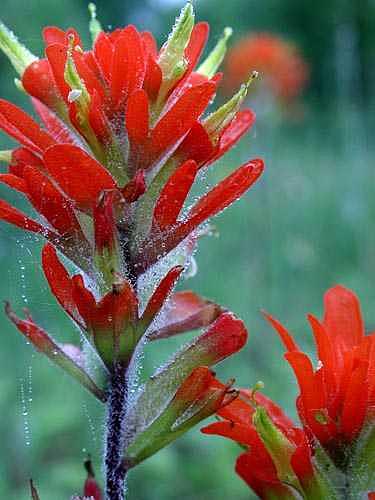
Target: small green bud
(171,59)
(211,64)
(216,122)
(172,52)
(18,54)
(94,25)
(278,446)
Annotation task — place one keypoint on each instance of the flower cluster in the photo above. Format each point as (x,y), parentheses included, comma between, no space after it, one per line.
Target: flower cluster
(331,455)
(122,137)
(283,70)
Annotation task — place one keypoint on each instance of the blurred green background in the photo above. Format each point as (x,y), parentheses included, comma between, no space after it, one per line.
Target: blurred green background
(304,227)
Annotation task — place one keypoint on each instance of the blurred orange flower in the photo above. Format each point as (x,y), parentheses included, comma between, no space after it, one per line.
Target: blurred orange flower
(283,70)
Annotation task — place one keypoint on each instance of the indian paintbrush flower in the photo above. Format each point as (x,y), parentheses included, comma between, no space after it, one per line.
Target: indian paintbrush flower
(332,455)
(122,135)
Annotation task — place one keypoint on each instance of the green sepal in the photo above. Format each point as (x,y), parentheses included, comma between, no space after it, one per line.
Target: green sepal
(214,59)
(171,59)
(19,56)
(278,446)
(217,121)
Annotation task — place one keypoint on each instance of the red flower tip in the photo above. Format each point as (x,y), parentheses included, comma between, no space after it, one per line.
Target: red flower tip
(91,488)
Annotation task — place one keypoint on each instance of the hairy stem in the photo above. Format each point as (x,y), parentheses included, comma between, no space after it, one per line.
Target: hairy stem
(116,412)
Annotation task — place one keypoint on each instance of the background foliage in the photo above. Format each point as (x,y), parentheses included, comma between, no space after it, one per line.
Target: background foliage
(303,228)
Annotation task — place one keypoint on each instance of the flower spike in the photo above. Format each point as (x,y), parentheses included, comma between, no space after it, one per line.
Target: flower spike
(108,166)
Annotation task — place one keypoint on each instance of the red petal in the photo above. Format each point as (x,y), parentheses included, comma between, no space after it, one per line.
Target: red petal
(83,299)
(343,319)
(128,66)
(153,78)
(14,216)
(23,128)
(186,311)
(59,281)
(50,202)
(56,55)
(14,182)
(258,471)
(355,403)
(225,193)
(209,205)
(103,50)
(243,434)
(197,42)
(38,81)
(301,459)
(137,117)
(303,369)
(92,83)
(149,43)
(161,293)
(52,34)
(286,338)
(173,196)
(58,130)
(22,157)
(80,176)
(197,145)
(98,120)
(179,119)
(326,356)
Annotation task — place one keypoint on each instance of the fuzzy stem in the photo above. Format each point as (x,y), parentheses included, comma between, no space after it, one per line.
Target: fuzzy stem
(116,411)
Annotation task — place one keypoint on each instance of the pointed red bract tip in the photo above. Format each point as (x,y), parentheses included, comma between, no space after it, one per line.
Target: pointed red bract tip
(161,293)
(91,488)
(286,338)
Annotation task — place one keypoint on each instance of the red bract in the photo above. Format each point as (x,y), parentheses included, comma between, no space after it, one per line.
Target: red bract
(337,396)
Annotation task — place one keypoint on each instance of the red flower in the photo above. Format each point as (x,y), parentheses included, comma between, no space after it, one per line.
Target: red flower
(281,66)
(279,458)
(120,117)
(338,396)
